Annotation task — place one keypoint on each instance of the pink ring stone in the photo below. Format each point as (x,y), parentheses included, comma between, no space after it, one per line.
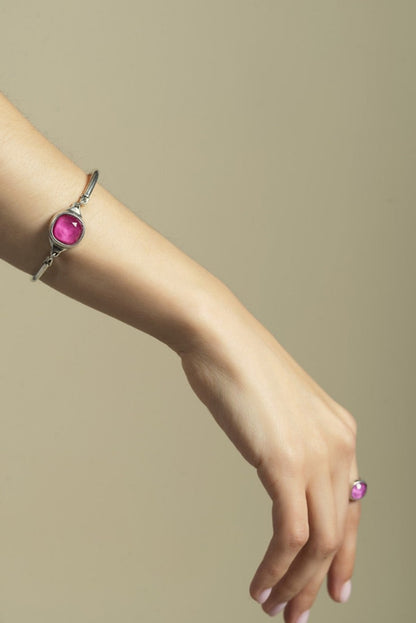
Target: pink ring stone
(68,229)
(358,490)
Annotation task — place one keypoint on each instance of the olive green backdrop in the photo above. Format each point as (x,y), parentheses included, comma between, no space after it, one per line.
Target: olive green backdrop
(274,142)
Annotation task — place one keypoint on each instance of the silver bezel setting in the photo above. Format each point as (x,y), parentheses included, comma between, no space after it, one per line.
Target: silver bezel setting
(57,243)
(359,481)
(74,210)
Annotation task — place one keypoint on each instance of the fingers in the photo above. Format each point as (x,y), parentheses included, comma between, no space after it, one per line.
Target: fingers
(290,533)
(302,581)
(314,533)
(297,610)
(341,570)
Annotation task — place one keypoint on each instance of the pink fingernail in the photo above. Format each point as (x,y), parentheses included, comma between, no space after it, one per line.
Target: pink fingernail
(303,617)
(345,592)
(278,608)
(264,595)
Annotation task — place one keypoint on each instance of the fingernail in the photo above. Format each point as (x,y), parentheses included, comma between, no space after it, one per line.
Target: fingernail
(345,592)
(264,595)
(278,608)
(303,617)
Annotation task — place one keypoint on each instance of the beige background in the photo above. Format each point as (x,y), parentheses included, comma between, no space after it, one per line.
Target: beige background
(274,142)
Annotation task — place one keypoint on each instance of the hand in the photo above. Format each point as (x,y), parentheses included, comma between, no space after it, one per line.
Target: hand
(302,444)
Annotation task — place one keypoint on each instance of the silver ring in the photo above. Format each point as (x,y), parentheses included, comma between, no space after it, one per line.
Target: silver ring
(358,490)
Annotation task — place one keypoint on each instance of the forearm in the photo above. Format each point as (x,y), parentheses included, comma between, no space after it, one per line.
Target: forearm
(301,441)
(122,267)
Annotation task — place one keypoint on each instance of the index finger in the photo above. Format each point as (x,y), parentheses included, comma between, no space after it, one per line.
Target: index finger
(290,534)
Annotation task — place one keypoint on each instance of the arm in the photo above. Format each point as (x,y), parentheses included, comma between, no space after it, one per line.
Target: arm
(300,441)
(122,267)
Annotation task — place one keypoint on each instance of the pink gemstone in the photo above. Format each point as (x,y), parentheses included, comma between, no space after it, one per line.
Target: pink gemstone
(359,490)
(68,229)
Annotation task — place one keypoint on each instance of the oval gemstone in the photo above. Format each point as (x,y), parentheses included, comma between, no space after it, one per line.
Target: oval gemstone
(359,490)
(67,229)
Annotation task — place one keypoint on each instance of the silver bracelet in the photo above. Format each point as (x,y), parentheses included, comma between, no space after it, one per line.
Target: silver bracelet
(66,229)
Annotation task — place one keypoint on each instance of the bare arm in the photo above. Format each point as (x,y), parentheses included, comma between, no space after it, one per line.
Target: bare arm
(300,440)
(123,267)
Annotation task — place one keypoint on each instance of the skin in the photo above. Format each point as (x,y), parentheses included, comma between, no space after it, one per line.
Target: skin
(301,442)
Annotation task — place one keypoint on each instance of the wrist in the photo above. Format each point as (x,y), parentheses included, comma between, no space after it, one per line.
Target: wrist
(202,307)
(216,320)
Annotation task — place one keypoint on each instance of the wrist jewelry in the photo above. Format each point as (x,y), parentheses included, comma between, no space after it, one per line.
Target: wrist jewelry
(66,229)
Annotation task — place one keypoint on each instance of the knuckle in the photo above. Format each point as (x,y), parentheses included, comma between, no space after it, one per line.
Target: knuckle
(349,443)
(327,546)
(345,442)
(349,420)
(298,536)
(274,571)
